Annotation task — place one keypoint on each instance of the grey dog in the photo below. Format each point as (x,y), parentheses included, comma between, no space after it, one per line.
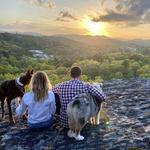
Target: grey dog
(82,109)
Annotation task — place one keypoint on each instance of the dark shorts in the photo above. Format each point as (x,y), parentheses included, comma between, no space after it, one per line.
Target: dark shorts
(58,105)
(44,124)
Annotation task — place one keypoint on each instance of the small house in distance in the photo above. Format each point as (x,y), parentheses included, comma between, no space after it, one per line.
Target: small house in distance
(39,54)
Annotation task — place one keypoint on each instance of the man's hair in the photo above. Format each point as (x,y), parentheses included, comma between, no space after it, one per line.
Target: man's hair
(75,72)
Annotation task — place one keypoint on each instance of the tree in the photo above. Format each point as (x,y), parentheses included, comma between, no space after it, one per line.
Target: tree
(117,75)
(89,67)
(125,69)
(134,67)
(98,79)
(144,72)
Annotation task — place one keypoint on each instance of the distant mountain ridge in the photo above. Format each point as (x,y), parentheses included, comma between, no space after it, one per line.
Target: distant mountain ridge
(87,38)
(97,40)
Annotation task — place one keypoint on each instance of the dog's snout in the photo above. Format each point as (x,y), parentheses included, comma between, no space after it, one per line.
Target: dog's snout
(87,103)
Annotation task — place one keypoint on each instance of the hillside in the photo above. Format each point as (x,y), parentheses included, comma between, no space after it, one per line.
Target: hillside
(127,106)
(58,46)
(101,42)
(65,45)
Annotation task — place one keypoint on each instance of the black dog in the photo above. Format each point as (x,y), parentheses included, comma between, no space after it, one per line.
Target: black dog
(11,89)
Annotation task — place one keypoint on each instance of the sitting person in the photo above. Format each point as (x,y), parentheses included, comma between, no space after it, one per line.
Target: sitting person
(69,89)
(39,102)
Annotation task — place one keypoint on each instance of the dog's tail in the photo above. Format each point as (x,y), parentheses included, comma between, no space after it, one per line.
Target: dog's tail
(3,88)
(2,93)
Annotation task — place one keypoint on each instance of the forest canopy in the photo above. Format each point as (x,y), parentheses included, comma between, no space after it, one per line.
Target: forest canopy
(96,65)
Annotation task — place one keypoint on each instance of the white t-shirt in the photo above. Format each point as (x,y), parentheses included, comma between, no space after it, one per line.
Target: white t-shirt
(37,111)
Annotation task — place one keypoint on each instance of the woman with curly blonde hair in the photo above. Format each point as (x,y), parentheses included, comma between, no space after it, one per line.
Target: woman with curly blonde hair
(40,102)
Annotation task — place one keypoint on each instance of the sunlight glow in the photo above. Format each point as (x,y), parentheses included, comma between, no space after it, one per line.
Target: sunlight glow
(94,28)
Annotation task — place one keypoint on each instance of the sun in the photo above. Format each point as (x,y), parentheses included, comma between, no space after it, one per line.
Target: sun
(94,28)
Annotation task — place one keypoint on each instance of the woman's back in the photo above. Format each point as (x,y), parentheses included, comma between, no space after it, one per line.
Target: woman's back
(39,111)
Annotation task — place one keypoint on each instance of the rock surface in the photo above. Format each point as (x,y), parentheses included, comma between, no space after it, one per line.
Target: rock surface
(128,109)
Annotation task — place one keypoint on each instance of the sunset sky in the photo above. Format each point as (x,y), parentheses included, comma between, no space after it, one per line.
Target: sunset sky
(126,19)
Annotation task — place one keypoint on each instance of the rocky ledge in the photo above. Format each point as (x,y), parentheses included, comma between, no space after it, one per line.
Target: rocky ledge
(128,109)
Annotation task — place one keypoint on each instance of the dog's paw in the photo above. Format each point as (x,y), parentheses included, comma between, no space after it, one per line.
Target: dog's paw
(2,118)
(24,117)
(79,137)
(12,122)
(71,134)
(97,122)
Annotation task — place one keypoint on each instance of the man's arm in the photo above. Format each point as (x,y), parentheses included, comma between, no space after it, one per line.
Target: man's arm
(56,88)
(95,92)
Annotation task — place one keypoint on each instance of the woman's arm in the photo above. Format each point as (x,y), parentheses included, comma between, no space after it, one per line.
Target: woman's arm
(21,109)
(52,103)
(53,107)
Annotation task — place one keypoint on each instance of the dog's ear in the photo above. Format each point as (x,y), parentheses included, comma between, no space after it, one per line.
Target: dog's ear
(31,72)
(76,103)
(28,72)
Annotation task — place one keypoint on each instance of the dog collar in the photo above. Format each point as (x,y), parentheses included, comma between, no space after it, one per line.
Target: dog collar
(18,82)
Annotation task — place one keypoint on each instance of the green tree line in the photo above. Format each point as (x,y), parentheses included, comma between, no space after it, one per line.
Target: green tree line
(115,65)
